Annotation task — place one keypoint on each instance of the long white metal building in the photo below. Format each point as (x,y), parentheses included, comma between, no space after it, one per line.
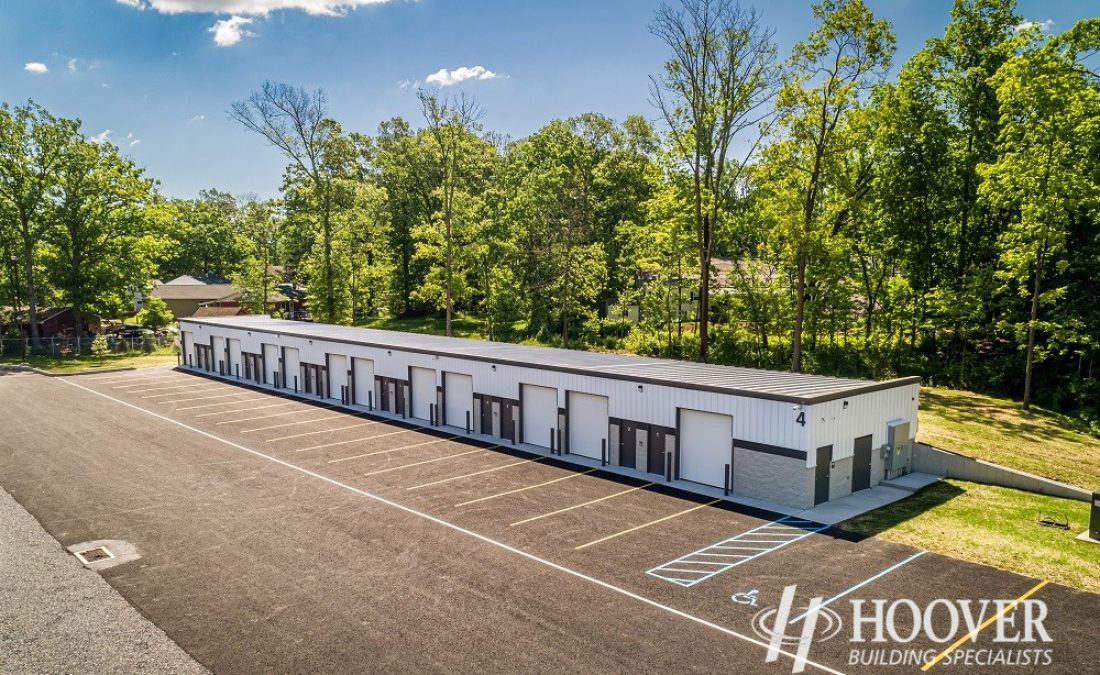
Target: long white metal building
(789,439)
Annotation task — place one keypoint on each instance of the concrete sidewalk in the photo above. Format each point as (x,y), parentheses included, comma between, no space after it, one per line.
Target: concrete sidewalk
(58,617)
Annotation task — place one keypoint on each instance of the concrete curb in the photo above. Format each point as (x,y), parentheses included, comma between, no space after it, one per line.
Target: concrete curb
(947,464)
(39,371)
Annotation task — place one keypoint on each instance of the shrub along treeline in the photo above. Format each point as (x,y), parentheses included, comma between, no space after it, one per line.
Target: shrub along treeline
(941,222)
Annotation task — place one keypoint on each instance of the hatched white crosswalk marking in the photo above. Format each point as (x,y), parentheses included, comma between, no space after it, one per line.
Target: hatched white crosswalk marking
(698,566)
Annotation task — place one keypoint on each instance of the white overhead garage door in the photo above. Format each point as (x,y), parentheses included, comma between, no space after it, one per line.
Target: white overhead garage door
(423,392)
(363,373)
(188,339)
(292,369)
(271,364)
(587,424)
(458,397)
(337,375)
(705,446)
(540,414)
(235,367)
(219,355)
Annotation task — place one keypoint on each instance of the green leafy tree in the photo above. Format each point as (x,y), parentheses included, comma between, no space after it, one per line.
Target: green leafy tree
(712,92)
(32,150)
(260,226)
(296,122)
(155,314)
(1050,105)
(828,75)
(100,348)
(100,247)
(453,125)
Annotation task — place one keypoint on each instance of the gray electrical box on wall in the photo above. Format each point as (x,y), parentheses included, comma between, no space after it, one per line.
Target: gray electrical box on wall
(898,451)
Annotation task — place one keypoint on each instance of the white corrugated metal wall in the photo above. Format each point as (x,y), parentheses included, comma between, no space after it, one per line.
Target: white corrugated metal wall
(754,419)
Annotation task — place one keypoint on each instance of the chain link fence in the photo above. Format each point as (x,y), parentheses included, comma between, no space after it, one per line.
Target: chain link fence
(67,346)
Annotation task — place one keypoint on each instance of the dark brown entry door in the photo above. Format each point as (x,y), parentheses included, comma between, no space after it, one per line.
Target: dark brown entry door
(821,474)
(508,421)
(861,464)
(627,445)
(656,451)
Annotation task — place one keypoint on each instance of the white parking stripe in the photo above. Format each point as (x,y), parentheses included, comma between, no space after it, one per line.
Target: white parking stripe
(474,535)
(214,405)
(265,417)
(427,461)
(136,379)
(184,393)
(527,487)
(354,440)
(136,388)
(204,398)
(476,473)
(581,505)
(292,424)
(237,410)
(403,447)
(320,431)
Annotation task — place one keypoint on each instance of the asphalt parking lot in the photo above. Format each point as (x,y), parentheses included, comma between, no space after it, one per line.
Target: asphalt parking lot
(282,535)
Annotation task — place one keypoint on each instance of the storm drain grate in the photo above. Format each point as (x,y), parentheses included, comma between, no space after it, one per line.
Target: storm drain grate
(96,554)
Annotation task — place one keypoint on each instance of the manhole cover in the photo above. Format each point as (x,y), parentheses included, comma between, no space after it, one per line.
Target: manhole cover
(94,555)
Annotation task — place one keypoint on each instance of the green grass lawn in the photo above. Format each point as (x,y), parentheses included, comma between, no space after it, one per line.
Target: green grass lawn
(993,526)
(1001,431)
(162,356)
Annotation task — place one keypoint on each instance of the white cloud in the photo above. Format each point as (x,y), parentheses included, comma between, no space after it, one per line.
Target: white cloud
(135,142)
(229,32)
(102,137)
(1044,25)
(446,78)
(251,7)
(408,84)
(197,118)
(36,67)
(72,65)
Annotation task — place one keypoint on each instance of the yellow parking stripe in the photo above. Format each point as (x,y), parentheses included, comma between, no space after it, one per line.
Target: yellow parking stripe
(974,633)
(645,525)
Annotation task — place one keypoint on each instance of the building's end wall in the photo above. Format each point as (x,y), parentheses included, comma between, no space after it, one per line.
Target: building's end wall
(773,478)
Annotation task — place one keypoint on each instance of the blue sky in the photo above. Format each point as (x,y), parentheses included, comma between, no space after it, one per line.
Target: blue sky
(154,74)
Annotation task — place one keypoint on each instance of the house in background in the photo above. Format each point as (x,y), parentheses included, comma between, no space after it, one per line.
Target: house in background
(52,322)
(188,295)
(185,294)
(219,310)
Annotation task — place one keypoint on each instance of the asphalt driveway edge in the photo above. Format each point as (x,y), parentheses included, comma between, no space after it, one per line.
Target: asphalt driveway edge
(56,616)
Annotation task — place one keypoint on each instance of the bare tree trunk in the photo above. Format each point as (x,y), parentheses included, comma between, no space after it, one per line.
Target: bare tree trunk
(704,289)
(32,296)
(799,315)
(1030,366)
